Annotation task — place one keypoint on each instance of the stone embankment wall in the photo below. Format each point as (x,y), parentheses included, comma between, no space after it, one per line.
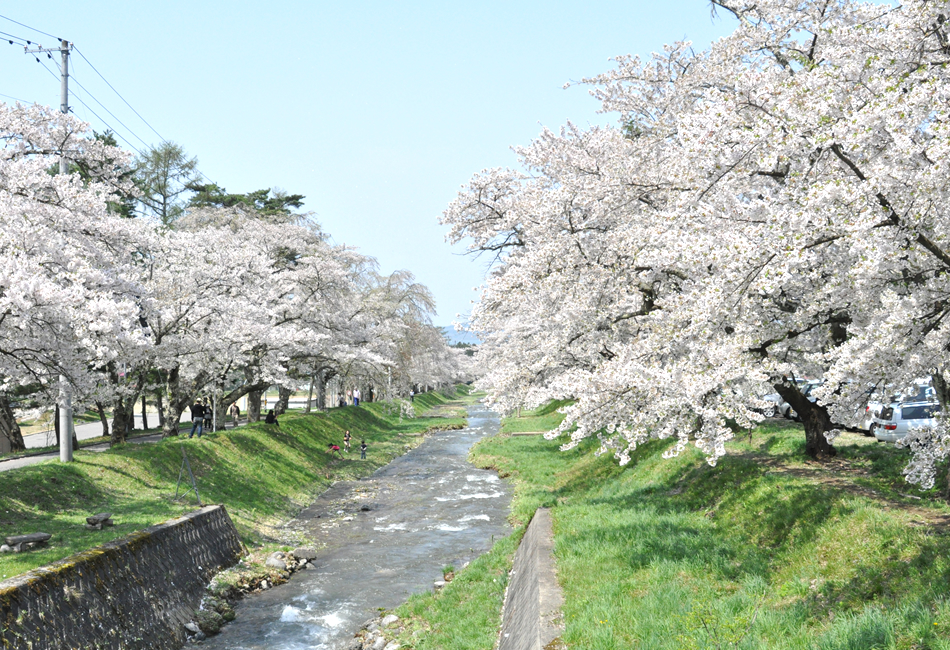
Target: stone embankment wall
(532,611)
(132,593)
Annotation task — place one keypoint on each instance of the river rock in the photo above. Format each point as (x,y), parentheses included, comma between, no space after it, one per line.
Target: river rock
(438,584)
(276,563)
(389,620)
(355,644)
(304,553)
(392,645)
(380,643)
(365,508)
(192,627)
(5,548)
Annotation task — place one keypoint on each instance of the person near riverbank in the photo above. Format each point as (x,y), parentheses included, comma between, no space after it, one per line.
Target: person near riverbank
(346,441)
(412,395)
(356,396)
(334,449)
(271,418)
(362,450)
(235,414)
(197,418)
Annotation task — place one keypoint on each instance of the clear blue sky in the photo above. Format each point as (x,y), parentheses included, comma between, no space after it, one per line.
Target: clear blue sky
(376,111)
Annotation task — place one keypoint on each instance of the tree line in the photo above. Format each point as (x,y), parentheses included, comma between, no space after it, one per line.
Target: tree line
(132,278)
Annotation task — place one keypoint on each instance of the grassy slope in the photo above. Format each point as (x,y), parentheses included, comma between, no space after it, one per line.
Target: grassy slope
(763,551)
(263,475)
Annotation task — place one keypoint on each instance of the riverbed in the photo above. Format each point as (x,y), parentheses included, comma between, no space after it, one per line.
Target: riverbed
(386,537)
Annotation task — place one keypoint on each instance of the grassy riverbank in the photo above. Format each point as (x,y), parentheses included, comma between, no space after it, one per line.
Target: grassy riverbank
(263,474)
(766,550)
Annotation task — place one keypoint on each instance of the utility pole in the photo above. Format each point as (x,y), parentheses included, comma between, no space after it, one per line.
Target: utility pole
(65,397)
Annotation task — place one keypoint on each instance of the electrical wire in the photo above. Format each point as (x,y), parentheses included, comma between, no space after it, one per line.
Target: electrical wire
(119,135)
(16,99)
(32,28)
(13,37)
(134,134)
(38,31)
(117,93)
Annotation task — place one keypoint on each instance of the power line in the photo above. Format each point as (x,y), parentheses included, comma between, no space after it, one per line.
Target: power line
(32,28)
(16,99)
(108,111)
(117,93)
(14,37)
(79,99)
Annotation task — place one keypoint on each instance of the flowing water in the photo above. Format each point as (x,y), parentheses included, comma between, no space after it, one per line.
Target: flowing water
(427,509)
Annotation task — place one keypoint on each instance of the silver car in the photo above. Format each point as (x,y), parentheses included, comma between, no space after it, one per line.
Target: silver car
(896,420)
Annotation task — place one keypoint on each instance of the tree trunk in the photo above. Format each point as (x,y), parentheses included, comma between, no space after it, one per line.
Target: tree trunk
(310,394)
(942,389)
(56,423)
(123,419)
(9,427)
(814,417)
(102,418)
(160,404)
(144,417)
(321,391)
(254,405)
(283,402)
(175,404)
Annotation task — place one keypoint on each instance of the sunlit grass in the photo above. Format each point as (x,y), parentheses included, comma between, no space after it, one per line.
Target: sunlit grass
(263,474)
(766,550)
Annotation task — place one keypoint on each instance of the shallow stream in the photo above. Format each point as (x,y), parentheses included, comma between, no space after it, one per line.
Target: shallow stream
(427,509)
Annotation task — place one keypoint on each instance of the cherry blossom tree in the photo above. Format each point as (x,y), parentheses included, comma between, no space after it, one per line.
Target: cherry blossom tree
(769,208)
(68,301)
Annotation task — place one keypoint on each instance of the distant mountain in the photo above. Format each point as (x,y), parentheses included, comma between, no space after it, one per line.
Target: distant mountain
(459,337)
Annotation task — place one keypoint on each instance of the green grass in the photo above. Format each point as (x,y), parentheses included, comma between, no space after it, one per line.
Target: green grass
(765,550)
(263,474)
(540,419)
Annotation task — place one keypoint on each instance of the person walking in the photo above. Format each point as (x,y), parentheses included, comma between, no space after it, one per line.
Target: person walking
(356,397)
(197,418)
(346,441)
(235,414)
(362,450)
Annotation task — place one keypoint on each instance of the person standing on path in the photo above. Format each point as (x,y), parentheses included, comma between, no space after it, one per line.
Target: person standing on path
(235,413)
(197,418)
(356,397)
(362,450)
(346,441)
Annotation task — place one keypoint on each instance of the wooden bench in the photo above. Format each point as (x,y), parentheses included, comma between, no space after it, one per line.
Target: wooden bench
(96,522)
(19,543)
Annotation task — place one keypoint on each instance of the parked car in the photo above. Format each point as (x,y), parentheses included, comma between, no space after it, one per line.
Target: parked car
(896,420)
(920,391)
(777,406)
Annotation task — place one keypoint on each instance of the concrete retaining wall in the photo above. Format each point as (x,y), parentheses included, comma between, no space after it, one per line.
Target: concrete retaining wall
(132,593)
(531,614)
